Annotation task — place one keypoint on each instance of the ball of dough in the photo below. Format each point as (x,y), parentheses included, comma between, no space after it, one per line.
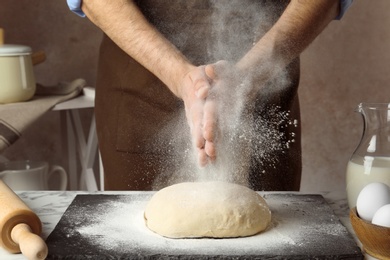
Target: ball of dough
(207,209)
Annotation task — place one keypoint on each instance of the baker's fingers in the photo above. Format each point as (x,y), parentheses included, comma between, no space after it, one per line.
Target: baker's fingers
(202,92)
(202,158)
(196,126)
(209,120)
(201,84)
(210,71)
(210,150)
(217,70)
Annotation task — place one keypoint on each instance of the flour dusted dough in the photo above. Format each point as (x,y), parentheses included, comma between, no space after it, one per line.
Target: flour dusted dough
(207,209)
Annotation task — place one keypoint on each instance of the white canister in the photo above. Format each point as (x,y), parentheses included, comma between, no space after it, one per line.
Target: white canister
(17,80)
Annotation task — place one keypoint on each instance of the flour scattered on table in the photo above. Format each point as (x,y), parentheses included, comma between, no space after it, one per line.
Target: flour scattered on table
(122,226)
(119,226)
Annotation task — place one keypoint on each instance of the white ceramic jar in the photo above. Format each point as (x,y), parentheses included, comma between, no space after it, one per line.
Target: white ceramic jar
(17,80)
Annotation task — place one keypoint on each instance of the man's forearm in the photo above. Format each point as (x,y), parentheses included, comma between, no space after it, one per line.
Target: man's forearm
(299,25)
(127,27)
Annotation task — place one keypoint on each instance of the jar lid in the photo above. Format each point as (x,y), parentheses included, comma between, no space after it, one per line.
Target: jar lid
(14,50)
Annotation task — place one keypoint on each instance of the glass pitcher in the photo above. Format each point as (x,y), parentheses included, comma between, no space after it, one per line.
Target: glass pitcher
(370,162)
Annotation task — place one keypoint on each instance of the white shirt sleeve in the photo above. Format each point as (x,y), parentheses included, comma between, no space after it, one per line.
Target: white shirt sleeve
(75,6)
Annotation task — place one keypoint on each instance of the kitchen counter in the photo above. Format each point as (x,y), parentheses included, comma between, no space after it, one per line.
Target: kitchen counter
(50,206)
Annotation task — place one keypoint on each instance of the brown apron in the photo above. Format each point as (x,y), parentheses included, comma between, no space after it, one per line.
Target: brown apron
(140,122)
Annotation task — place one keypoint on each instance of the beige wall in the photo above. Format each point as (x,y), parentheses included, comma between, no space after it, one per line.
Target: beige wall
(348,64)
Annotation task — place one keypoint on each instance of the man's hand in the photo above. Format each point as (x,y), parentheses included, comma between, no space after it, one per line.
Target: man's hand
(194,91)
(223,103)
(210,95)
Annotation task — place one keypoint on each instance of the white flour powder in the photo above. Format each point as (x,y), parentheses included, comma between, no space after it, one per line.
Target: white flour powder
(297,226)
(253,127)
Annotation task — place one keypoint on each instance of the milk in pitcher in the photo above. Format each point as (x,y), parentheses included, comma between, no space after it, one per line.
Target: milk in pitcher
(362,171)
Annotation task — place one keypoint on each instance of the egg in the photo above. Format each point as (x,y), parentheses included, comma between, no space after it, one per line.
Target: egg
(371,198)
(382,216)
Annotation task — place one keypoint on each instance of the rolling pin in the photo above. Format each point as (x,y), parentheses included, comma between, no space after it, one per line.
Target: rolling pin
(1,36)
(20,227)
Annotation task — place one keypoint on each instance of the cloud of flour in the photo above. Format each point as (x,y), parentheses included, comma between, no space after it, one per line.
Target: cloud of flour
(235,27)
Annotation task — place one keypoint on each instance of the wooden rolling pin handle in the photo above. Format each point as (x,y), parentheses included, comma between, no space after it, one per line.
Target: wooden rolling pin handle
(20,227)
(1,36)
(31,245)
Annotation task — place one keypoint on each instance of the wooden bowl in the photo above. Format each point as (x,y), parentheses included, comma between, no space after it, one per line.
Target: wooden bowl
(375,239)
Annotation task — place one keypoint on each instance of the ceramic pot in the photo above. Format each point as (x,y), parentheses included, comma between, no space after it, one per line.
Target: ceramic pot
(17,78)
